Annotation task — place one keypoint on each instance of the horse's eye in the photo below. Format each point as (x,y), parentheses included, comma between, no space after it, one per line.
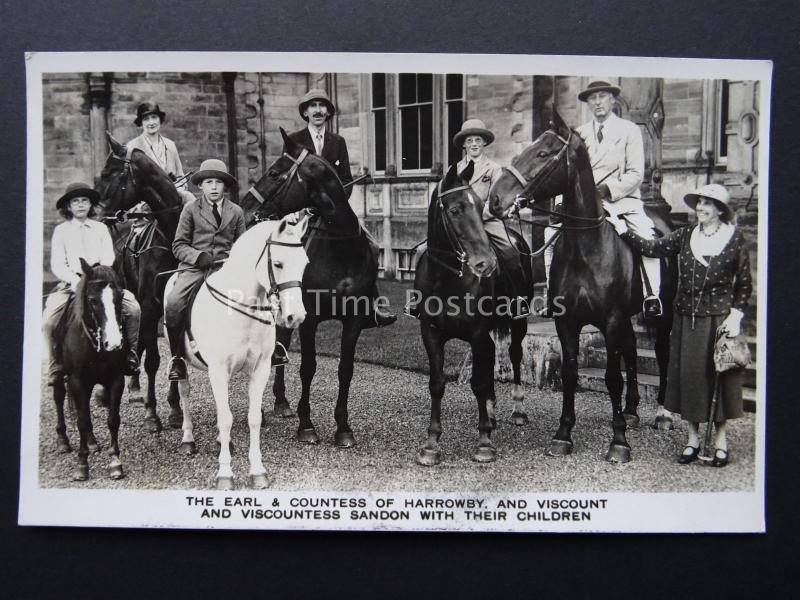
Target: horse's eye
(542,154)
(453,211)
(278,264)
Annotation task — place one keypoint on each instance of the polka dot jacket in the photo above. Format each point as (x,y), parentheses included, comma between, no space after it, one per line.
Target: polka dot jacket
(726,283)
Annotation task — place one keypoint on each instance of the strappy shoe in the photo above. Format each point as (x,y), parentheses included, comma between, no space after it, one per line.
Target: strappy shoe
(685,459)
(720,458)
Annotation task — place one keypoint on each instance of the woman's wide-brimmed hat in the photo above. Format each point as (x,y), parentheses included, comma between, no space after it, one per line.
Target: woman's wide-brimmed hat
(315,94)
(472,127)
(77,190)
(148,108)
(715,192)
(598,86)
(213,168)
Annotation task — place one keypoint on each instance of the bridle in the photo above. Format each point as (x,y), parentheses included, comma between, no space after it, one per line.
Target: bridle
(286,181)
(93,331)
(457,247)
(275,288)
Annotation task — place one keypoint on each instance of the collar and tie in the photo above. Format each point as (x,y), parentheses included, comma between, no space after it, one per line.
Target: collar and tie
(217,216)
(318,143)
(600,134)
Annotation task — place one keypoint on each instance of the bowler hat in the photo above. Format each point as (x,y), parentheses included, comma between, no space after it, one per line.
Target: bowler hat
(598,86)
(316,94)
(148,108)
(76,190)
(213,168)
(715,192)
(472,127)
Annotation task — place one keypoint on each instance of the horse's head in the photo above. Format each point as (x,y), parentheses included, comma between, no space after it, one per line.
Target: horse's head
(460,217)
(99,305)
(297,180)
(280,269)
(540,172)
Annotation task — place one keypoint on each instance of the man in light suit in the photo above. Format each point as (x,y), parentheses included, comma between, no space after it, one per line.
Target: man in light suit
(207,229)
(316,109)
(616,152)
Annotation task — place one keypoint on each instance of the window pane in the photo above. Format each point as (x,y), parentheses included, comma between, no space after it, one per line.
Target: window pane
(380,140)
(455,117)
(408,88)
(454,87)
(426,136)
(378,90)
(409,128)
(424,87)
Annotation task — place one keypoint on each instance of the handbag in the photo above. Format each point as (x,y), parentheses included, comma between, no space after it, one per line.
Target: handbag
(730,352)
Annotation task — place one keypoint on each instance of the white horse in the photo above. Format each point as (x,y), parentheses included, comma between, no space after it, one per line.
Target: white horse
(233,329)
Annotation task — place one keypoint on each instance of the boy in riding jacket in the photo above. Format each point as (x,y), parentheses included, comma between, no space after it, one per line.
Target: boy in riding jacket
(80,236)
(206,232)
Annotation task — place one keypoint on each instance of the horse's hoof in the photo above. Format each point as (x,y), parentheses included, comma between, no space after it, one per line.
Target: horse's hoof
(81,473)
(631,420)
(519,419)
(485,454)
(187,448)
(429,457)
(345,439)
(283,410)
(617,453)
(559,448)
(307,436)
(152,424)
(663,423)
(115,472)
(63,447)
(258,482)
(225,484)
(175,418)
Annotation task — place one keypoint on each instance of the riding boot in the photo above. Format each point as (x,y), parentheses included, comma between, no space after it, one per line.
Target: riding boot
(280,357)
(177,364)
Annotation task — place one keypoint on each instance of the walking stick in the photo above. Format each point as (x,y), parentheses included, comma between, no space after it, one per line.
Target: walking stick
(708,451)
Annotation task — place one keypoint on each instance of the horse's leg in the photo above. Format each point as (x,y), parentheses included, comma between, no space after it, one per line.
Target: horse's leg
(430,454)
(664,417)
(308,367)
(148,328)
(568,333)
(615,334)
(91,441)
(258,382)
(628,348)
(518,332)
(351,330)
(134,385)
(282,407)
(80,397)
(115,389)
(59,393)
(218,376)
(188,446)
(482,382)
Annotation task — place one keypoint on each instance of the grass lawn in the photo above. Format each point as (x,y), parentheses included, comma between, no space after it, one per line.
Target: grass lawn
(399,345)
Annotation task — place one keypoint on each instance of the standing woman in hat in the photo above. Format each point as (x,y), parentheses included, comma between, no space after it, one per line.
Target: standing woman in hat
(713,289)
(81,237)
(159,149)
(207,229)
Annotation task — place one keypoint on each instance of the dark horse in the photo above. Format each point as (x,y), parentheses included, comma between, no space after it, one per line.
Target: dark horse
(464,303)
(594,274)
(337,283)
(127,179)
(90,347)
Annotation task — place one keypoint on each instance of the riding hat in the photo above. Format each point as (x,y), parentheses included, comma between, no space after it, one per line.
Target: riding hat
(148,108)
(316,94)
(215,168)
(715,192)
(598,86)
(472,127)
(75,190)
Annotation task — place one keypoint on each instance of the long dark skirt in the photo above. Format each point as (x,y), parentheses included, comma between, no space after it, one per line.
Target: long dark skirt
(690,377)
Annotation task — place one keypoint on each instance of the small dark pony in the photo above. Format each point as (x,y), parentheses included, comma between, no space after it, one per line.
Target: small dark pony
(127,179)
(338,281)
(457,282)
(594,275)
(90,347)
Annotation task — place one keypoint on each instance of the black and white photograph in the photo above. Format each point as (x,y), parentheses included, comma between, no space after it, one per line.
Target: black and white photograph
(395,292)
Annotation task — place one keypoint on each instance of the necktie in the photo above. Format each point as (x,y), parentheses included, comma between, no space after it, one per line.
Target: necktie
(318,143)
(217,216)
(600,134)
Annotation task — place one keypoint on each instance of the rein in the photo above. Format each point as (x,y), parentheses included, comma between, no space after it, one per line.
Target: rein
(457,248)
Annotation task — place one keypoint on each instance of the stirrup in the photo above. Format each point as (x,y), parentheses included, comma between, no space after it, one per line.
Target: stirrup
(651,307)
(282,359)
(411,310)
(525,308)
(177,370)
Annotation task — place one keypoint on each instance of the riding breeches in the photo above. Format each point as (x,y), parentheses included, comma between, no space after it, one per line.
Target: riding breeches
(178,300)
(54,309)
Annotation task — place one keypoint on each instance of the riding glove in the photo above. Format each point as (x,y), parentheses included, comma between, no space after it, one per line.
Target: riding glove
(204,260)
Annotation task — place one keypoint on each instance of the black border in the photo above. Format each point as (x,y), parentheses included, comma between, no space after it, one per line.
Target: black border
(45,562)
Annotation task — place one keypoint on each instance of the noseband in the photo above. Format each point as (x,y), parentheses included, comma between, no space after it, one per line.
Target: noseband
(457,248)
(287,180)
